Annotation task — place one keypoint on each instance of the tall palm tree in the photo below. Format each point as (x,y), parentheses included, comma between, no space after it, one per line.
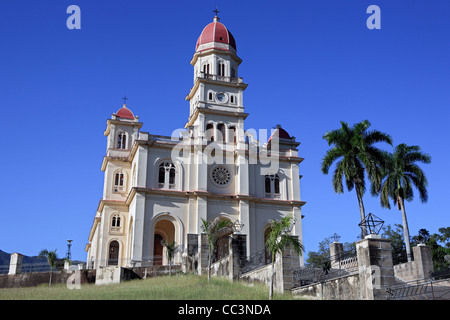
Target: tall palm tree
(355,153)
(278,238)
(52,258)
(214,230)
(170,252)
(400,174)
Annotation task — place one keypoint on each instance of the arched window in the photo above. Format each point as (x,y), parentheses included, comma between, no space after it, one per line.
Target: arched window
(272,186)
(206,68)
(113,259)
(210,132)
(115,222)
(232,134)
(221,129)
(166,175)
(232,99)
(221,69)
(119,182)
(121,140)
(210,96)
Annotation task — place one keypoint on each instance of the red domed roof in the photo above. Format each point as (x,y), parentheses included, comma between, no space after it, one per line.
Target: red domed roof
(125,113)
(216,32)
(281,133)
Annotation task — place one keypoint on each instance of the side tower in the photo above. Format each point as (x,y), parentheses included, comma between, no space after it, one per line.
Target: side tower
(121,132)
(108,235)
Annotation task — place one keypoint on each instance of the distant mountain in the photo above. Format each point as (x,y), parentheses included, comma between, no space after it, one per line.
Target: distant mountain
(6,257)
(29,264)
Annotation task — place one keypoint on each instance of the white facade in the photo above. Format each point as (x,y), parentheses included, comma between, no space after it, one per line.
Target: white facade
(154,191)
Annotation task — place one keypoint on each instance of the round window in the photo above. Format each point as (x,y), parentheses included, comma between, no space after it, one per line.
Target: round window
(221,175)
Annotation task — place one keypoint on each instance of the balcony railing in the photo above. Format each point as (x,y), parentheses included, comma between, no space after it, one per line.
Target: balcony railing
(209,76)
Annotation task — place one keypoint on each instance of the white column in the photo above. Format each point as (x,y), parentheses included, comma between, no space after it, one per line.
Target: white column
(15,263)
(139,231)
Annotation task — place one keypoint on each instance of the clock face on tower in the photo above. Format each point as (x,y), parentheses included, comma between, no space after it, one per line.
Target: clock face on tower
(221,97)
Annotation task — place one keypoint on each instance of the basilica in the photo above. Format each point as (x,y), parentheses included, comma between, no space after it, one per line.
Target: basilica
(162,187)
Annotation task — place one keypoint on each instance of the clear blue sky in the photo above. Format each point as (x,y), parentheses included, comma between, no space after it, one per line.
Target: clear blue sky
(309,64)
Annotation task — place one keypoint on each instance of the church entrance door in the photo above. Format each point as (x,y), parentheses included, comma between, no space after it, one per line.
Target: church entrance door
(158,250)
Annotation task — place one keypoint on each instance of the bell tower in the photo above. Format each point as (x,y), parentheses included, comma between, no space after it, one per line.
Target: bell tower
(216,99)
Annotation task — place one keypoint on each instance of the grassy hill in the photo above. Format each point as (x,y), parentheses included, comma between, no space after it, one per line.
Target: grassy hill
(180,287)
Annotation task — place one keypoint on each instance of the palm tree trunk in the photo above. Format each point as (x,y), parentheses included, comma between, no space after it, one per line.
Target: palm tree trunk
(170,267)
(271,278)
(405,228)
(361,209)
(209,263)
(50,281)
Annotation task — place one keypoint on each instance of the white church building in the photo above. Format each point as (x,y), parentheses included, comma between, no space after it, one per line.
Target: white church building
(160,188)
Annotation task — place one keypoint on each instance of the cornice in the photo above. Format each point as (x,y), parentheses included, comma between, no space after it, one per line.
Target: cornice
(210,195)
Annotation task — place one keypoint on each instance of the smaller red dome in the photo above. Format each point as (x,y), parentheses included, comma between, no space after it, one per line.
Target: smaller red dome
(281,133)
(125,113)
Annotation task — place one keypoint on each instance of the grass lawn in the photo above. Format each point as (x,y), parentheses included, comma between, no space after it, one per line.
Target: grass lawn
(176,287)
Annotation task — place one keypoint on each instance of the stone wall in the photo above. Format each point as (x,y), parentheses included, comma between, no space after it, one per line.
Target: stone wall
(419,269)
(38,278)
(343,288)
(285,264)
(375,273)
(223,267)
(259,275)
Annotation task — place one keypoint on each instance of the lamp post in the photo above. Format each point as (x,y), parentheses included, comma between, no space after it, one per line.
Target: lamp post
(69,244)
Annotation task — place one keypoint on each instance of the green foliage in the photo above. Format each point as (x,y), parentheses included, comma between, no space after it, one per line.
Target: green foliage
(279,237)
(52,260)
(397,242)
(171,247)
(355,155)
(214,230)
(438,242)
(401,173)
(180,287)
(316,258)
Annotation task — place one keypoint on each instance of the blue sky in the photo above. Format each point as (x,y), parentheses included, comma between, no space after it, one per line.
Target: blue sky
(309,64)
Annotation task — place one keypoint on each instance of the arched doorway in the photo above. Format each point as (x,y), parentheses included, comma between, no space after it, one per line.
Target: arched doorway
(113,257)
(164,230)
(158,250)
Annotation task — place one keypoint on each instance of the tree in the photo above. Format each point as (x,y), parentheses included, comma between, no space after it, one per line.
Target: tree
(395,234)
(170,252)
(278,238)
(355,153)
(214,230)
(316,258)
(438,252)
(52,259)
(400,174)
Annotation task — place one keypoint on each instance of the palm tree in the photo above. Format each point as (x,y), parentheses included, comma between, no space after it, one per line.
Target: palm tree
(400,174)
(214,230)
(52,258)
(278,238)
(170,252)
(355,153)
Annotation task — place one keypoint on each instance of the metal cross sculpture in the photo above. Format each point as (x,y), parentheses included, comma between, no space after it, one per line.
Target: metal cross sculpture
(372,224)
(125,100)
(335,237)
(216,11)
(238,226)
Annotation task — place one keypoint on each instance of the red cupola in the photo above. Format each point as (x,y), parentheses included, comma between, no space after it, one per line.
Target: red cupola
(125,113)
(217,35)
